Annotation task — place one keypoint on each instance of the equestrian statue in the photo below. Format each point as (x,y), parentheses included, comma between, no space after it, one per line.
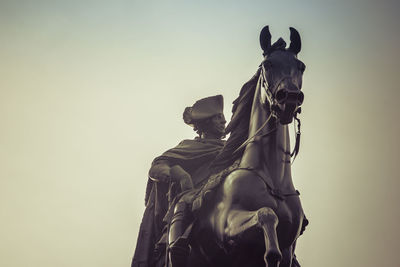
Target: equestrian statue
(248,212)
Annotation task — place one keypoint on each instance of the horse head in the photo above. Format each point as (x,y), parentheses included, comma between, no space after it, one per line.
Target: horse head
(282,75)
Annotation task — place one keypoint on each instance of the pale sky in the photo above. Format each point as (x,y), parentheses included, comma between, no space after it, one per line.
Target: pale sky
(92,91)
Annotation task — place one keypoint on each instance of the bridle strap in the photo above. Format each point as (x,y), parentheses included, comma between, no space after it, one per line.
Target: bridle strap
(271,114)
(251,139)
(272,102)
(298,135)
(267,86)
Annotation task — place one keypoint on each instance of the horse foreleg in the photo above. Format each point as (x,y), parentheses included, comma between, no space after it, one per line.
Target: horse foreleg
(239,221)
(287,257)
(269,221)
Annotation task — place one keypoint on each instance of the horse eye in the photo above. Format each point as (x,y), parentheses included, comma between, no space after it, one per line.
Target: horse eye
(267,64)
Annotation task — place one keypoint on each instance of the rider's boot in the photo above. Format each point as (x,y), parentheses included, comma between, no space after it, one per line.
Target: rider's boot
(178,242)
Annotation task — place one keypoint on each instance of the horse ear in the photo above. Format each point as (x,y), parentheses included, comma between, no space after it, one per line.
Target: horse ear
(265,39)
(295,41)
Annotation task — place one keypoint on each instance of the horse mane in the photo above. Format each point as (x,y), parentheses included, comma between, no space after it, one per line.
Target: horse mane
(238,127)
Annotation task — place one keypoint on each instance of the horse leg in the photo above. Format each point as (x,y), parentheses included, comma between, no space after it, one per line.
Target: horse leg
(295,263)
(239,220)
(287,256)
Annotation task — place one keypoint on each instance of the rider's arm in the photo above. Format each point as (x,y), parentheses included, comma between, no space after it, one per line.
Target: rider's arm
(160,171)
(178,174)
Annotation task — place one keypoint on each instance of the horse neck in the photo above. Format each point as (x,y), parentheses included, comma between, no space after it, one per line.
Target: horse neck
(269,152)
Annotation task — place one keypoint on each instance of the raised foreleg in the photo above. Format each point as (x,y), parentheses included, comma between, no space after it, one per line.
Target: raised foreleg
(239,221)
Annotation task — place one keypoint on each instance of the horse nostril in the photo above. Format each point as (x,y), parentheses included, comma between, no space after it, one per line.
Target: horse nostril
(300,98)
(281,96)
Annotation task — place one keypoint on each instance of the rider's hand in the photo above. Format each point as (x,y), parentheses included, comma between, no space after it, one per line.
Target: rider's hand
(178,174)
(160,172)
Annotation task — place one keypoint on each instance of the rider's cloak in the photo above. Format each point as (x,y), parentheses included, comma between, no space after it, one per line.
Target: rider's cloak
(194,156)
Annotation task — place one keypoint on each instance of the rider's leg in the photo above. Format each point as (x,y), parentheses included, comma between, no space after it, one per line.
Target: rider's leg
(178,242)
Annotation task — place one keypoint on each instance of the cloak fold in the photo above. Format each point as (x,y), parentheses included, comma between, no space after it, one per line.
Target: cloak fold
(194,156)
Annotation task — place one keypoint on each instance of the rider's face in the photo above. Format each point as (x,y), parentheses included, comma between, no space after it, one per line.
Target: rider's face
(218,124)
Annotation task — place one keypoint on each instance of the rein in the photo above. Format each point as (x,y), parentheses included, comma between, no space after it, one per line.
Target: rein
(250,139)
(272,107)
(298,135)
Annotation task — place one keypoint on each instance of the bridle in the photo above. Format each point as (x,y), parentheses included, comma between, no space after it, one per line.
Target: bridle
(273,108)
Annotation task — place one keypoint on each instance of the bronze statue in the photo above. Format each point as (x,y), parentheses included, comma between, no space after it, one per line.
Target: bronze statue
(179,169)
(249,212)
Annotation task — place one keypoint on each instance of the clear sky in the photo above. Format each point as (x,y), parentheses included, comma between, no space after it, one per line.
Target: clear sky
(92,91)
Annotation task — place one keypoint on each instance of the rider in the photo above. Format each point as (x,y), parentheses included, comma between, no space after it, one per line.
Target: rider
(179,169)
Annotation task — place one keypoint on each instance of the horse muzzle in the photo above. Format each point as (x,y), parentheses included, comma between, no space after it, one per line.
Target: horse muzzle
(288,103)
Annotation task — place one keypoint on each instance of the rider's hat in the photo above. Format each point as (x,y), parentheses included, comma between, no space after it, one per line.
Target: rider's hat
(203,109)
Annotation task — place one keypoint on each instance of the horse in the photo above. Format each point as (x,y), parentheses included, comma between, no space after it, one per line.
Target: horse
(253,216)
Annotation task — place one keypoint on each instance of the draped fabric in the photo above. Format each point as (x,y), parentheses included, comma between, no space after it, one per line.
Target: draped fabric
(194,156)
